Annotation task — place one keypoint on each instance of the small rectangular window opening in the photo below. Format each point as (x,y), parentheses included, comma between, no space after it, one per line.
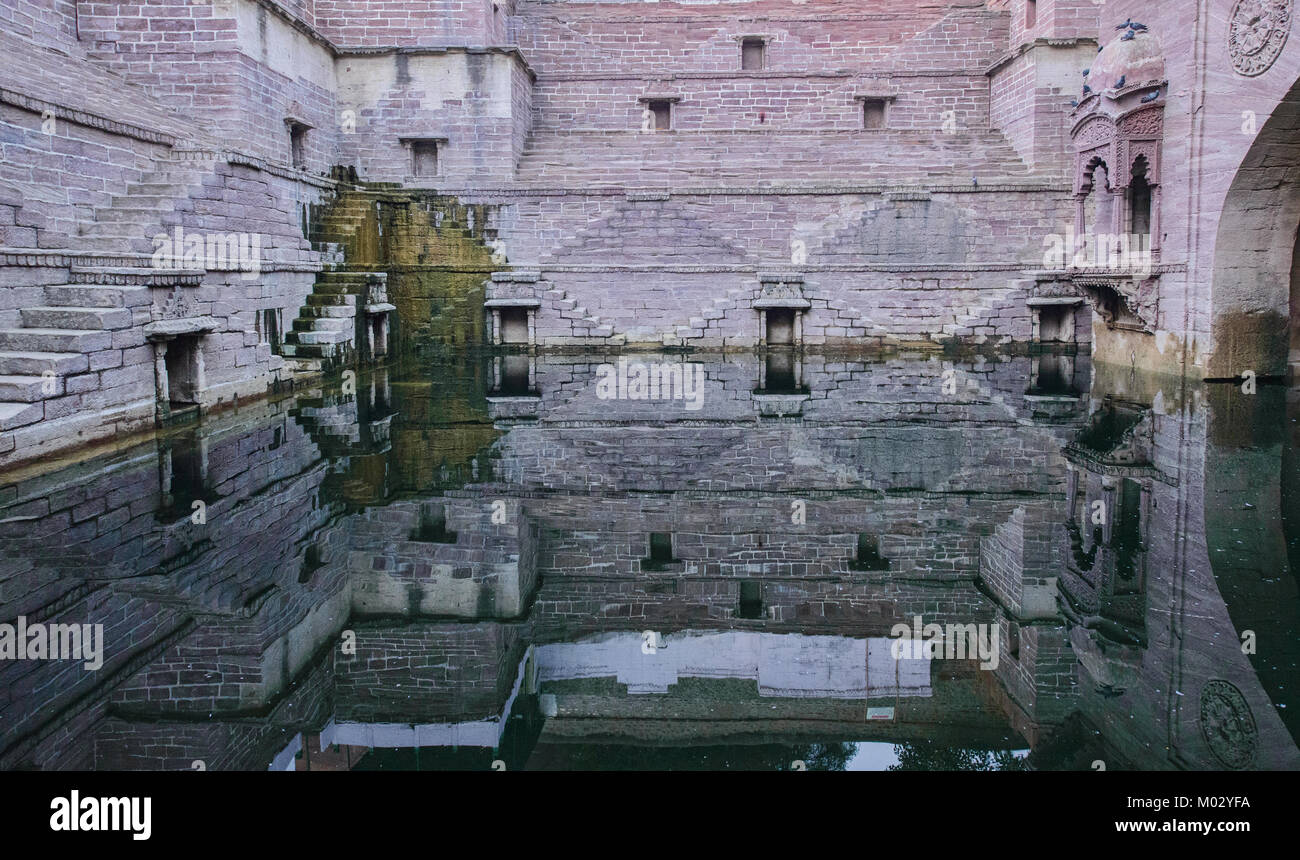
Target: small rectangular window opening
(751,55)
(424,158)
(751,600)
(868,556)
(271,327)
(514,325)
(661,547)
(662,111)
(432,525)
(298,145)
(780,326)
(873,113)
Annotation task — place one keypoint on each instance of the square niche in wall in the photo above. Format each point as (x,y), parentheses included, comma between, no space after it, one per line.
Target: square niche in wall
(425,155)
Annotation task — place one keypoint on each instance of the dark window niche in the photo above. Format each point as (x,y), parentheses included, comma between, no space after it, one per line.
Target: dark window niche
(424,158)
(432,527)
(873,114)
(868,556)
(271,321)
(663,114)
(751,55)
(660,552)
(312,561)
(780,326)
(751,600)
(1139,191)
(298,145)
(514,326)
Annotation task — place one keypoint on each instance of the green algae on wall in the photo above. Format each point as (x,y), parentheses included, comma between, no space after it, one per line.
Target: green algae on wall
(433,250)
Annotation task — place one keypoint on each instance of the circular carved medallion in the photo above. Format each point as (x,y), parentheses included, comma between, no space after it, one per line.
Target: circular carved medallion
(1227,724)
(1257,30)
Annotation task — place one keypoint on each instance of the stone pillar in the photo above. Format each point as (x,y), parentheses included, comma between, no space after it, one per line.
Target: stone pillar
(200,383)
(1109,494)
(1071,492)
(496,327)
(1155,223)
(162,407)
(762,327)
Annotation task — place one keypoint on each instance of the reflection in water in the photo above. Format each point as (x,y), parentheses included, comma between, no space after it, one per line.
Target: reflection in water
(476,561)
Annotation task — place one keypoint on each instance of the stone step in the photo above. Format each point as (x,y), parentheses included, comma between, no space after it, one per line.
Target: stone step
(342,277)
(54,340)
(156,189)
(20,414)
(311,311)
(307,350)
(21,363)
(307,338)
(95,296)
(116,244)
(28,389)
(323,324)
(148,204)
(84,318)
(321,300)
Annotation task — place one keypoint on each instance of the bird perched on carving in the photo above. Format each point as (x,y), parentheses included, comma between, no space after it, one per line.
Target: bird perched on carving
(1086,89)
(1119,85)
(1150,97)
(974,180)
(1085,72)
(1074,102)
(1127,37)
(1130,24)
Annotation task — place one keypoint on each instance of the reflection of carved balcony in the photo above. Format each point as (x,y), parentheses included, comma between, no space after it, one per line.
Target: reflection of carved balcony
(1116,442)
(1103,581)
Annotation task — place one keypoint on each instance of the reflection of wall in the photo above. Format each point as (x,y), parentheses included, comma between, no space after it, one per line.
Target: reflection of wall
(787,666)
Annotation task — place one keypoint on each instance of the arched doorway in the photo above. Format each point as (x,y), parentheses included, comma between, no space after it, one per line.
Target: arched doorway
(1254,288)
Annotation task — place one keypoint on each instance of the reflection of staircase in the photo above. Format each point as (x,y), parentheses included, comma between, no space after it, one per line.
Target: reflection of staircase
(331,421)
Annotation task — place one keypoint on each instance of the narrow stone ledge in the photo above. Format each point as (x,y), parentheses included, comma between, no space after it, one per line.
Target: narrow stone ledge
(85,118)
(647,196)
(163,329)
(526,276)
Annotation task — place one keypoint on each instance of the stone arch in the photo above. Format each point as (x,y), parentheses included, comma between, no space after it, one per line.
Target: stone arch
(1254,281)
(1096,197)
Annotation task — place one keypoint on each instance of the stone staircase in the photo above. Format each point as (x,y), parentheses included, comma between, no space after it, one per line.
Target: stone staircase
(325,328)
(149,207)
(583,323)
(53,356)
(770,158)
